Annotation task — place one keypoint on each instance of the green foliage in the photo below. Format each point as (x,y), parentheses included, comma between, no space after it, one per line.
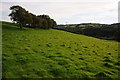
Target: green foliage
(20,15)
(26,19)
(39,53)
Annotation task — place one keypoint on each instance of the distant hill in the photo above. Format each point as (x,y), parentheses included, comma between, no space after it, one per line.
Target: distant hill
(38,53)
(102,31)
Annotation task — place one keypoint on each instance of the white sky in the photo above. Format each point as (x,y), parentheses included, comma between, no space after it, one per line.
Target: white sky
(71,11)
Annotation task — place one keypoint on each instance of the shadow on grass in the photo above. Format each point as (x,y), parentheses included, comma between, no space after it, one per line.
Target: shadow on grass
(12,26)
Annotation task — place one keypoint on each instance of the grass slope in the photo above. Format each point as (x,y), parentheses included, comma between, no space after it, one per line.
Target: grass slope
(37,53)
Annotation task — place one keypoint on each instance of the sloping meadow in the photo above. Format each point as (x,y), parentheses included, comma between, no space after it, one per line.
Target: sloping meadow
(39,53)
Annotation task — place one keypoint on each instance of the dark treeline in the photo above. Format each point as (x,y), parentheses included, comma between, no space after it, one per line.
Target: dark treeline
(102,31)
(25,19)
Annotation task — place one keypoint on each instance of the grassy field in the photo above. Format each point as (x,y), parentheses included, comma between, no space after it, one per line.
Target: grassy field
(38,53)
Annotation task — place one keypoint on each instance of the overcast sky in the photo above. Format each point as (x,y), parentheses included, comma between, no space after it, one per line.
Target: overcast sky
(70,11)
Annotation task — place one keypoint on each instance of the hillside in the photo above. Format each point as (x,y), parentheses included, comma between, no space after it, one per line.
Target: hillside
(101,31)
(39,53)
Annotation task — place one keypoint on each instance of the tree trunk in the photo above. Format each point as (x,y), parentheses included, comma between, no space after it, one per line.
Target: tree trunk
(20,26)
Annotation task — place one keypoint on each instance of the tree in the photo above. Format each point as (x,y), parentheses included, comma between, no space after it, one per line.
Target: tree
(28,19)
(44,16)
(53,24)
(20,16)
(44,24)
(47,21)
(24,18)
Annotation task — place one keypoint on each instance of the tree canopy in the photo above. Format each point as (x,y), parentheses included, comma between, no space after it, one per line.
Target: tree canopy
(26,19)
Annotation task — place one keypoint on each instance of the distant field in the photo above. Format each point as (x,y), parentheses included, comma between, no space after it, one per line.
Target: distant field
(38,53)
